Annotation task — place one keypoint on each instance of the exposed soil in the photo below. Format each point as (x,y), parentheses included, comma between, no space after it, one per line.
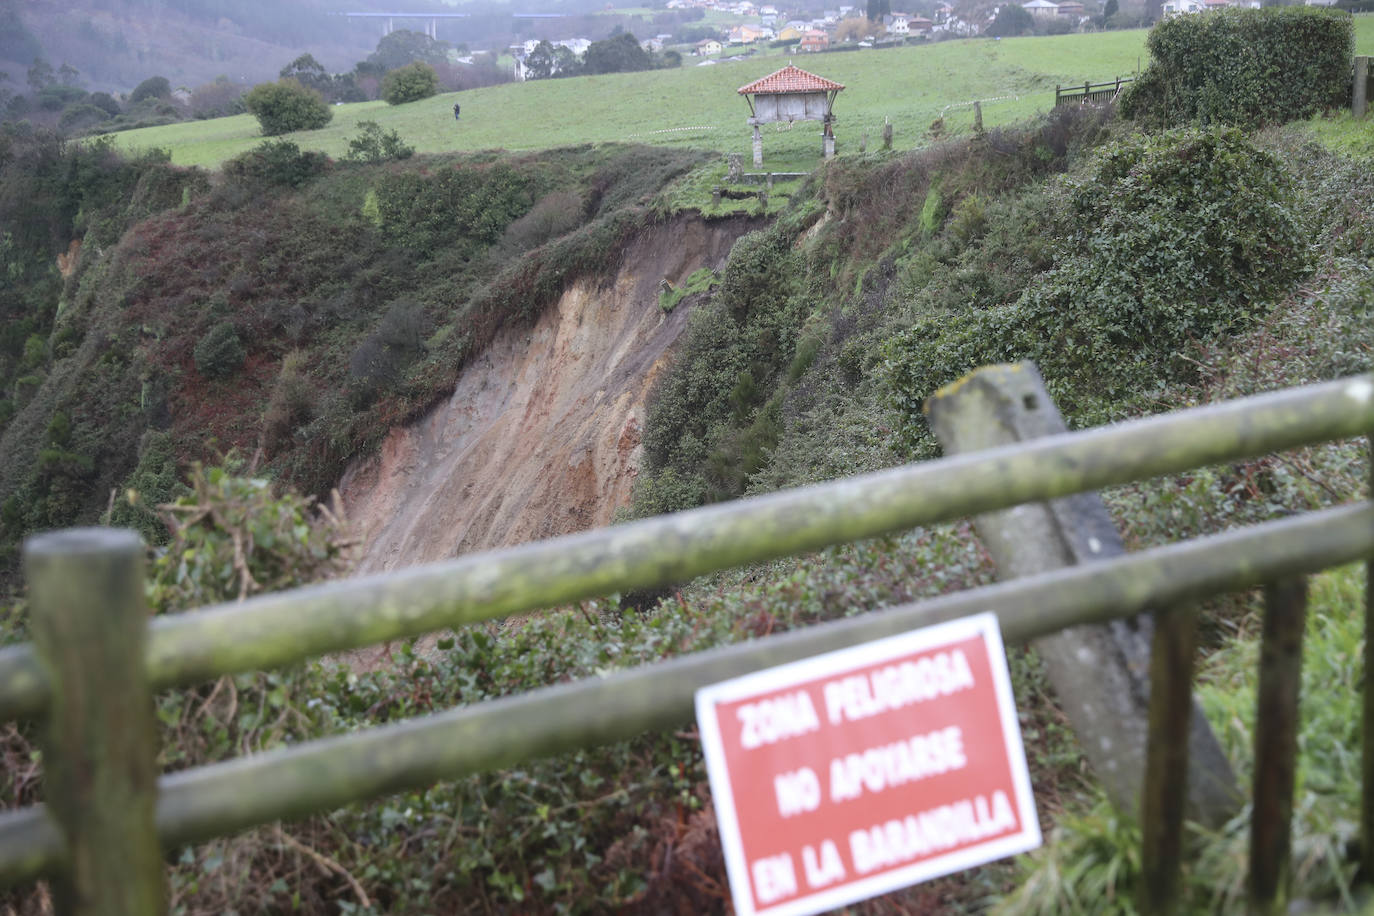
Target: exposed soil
(542,434)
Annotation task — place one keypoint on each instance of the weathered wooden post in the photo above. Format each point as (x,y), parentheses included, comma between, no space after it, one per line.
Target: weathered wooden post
(90,623)
(887,133)
(978,117)
(1100,673)
(1359,101)
(1276,745)
(1164,797)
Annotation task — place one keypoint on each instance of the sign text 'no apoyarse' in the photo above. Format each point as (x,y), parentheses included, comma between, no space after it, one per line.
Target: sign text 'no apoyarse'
(850,774)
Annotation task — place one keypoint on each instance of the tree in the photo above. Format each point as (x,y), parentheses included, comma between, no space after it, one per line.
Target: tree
(154,87)
(618,54)
(285,106)
(1109,9)
(41,75)
(310,73)
(1012,19)
(877,9)
(375,145)
(105,102)
(414,81)
(856,29)
(541,63)
(404,46)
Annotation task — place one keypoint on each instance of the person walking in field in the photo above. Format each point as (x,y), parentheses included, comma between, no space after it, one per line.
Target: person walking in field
(456,108)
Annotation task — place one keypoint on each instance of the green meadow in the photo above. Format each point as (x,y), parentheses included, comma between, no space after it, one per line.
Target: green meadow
(698,106)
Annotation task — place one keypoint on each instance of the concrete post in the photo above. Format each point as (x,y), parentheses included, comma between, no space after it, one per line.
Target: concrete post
(1100,673)
(758,146)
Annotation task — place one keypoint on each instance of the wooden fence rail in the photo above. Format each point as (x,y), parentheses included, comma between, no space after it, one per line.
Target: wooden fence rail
(1089,92)
(281,629)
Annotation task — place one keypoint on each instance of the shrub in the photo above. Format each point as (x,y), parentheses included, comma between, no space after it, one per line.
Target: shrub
(154,87)
(219,353)
(555,214)
(460,209)
(416,80)
(1243,67)
(286,106)
(277,162)
(374,145)
(1170,240)
(398,341)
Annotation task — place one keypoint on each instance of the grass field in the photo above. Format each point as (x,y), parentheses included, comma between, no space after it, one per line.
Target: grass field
(697,106)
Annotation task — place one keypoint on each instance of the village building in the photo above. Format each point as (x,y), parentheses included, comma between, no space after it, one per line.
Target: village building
(1073,10)
(1043,9)
(746,34)
(920,25)
(815,40)
(708,48)
(790,95)
(791,33)
(897,24)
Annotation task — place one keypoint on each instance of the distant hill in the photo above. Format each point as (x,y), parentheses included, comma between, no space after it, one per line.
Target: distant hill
(116,44)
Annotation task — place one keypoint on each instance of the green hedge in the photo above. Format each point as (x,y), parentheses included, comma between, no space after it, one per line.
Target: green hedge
(1244,67)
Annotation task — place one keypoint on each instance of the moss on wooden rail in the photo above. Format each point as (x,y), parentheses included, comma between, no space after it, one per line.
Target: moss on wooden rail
(276,630)
(215,800)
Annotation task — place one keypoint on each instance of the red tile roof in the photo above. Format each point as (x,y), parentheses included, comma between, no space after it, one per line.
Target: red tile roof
(789,79)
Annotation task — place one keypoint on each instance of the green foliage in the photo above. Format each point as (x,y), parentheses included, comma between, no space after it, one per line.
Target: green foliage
(154,482)
(1243,67)
(231,537)
(464,207)
(1011,19)
(374,145)
(416,80)
(154,87)
(1091,862)
(403,47)
(701,281)
(617,54)
(1169,240)
(220,353)
(277,162)
(286,106)
(710,419)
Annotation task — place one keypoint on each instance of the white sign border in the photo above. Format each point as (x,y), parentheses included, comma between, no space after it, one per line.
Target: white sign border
(835,663)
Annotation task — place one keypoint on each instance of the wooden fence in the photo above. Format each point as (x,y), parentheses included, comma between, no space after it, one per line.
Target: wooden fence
(96,657)
(1089,92)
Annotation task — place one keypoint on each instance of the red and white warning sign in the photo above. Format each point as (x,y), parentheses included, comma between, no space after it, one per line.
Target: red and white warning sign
(854,773)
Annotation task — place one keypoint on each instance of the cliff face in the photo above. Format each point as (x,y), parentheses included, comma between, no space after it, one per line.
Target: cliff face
(541,437)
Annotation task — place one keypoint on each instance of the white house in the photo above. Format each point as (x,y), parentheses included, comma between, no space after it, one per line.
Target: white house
(897,24)
(1043,8)
(708,48)
(1180,7)
(578,46)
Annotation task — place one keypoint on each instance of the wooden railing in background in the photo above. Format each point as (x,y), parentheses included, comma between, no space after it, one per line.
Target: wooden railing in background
(95,657)
(1089,92)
